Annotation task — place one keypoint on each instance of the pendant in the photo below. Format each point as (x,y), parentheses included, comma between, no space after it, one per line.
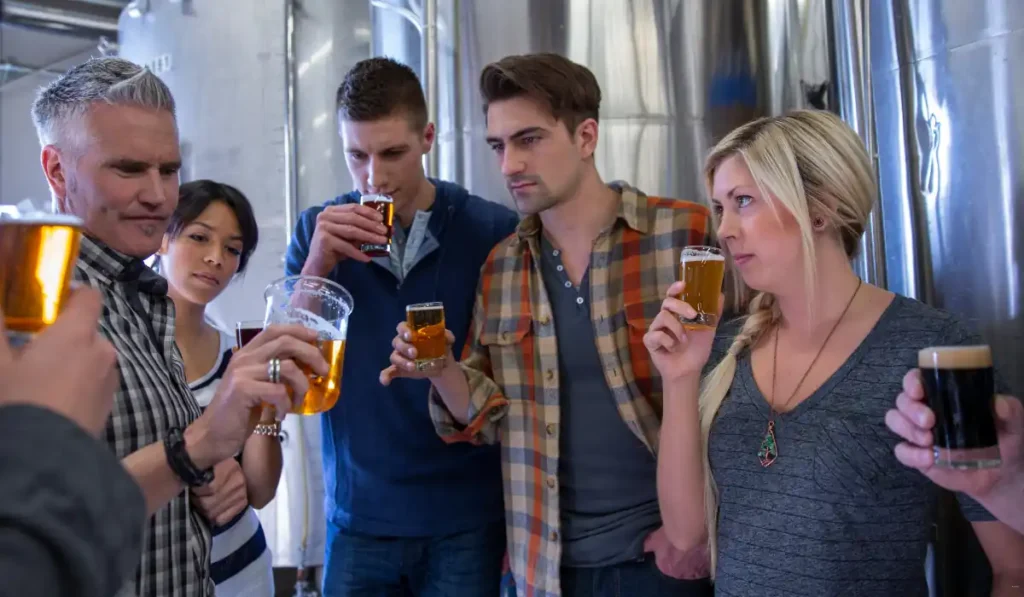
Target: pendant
(769,449)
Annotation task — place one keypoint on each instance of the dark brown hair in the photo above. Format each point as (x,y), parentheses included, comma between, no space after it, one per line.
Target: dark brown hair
(569,90)
(381,87)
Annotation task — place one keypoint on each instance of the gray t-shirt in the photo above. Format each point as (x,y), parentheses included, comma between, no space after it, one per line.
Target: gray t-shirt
(836,514)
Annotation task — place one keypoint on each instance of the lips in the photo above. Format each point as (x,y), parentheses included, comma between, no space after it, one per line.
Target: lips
(742,258)
(212,281)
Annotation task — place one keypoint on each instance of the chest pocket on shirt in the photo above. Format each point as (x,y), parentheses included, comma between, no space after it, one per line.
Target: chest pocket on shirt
(510,346)
(639,316)
(853,458)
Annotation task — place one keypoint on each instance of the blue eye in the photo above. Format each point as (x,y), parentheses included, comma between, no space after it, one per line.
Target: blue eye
(743,200)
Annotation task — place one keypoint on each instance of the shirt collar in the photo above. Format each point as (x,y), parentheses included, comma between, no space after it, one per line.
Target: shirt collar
(634,209)
(109,265)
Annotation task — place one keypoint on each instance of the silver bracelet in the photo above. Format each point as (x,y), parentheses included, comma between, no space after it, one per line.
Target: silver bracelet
(268,429)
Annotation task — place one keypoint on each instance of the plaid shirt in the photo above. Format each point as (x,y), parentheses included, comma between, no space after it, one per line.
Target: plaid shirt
(512,363)
(138,319)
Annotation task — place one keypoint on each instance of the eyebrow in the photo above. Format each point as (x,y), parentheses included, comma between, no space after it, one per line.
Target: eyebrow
(518,134)
(131,164)
(210,228)
(393,148)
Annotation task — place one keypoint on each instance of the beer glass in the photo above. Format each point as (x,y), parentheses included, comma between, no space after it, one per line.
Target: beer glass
(245,331)
(383,205)
(960,387)
(323,306)
(703,269)
(38,252)
(426,324)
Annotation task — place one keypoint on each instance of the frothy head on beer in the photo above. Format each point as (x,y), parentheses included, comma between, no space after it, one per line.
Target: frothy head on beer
(955,357)
(542,114)
(110,151)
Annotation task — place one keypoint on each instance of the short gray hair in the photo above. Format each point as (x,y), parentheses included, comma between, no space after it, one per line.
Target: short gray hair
(110,80)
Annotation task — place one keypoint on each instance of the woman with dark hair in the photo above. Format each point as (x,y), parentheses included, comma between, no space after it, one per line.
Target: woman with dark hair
(211,237)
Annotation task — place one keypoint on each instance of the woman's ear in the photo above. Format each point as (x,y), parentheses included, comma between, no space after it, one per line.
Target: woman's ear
(164,244)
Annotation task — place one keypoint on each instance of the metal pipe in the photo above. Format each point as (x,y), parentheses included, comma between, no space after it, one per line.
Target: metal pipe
(291,161)
(852,65)
(430,77)
(458,143)
(88,22)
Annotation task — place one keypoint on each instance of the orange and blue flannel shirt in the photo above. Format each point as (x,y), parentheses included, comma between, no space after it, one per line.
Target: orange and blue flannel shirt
(511,361)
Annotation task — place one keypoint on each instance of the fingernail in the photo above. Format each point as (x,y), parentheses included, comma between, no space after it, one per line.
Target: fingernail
(920,420)
(406,337)
(408,366)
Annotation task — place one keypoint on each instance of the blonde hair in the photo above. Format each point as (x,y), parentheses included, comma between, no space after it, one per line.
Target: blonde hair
(813,165)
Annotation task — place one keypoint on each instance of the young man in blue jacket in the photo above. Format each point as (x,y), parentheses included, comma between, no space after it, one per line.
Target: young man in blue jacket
(407,514)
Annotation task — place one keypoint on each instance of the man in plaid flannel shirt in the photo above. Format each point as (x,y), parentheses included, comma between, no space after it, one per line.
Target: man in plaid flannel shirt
(556,370)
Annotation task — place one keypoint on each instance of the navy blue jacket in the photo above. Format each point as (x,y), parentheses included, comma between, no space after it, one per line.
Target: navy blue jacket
(386,472)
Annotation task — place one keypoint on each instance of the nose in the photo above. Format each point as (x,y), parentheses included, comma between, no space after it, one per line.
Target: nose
(513,162)
(727,225)
(377,178)
(156,192)
(214,257)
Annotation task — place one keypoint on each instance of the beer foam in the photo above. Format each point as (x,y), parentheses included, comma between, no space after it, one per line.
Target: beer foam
(375,197)
(325,330)
(424,307)
(41,218)
(700,258)
(955,357)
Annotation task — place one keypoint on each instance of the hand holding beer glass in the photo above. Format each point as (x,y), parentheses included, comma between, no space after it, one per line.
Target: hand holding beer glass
(422,348)
(38,252)
(350,231)
(323,307)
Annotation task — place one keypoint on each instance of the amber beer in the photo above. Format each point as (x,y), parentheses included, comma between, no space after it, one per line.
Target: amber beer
(324,390)
(383,205)
(702,269)
(37,261)
(960,388)
(426,324)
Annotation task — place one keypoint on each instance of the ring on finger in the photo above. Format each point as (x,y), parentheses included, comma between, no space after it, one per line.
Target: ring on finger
(274,370)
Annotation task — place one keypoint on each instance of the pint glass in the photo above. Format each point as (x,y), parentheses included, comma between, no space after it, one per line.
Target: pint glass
(38,253)
(383,205)
(245,331)
(319,305)
(960,388)
(426,324)
(703,269)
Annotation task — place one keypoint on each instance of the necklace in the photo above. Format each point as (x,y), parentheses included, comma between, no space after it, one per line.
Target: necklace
(769,450)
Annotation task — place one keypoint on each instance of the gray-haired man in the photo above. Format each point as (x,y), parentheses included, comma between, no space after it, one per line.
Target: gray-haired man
(110,154)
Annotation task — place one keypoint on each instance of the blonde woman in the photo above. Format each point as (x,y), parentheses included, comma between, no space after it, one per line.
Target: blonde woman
(773,446)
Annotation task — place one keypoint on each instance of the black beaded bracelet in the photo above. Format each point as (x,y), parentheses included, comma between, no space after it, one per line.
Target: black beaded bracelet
(180,462)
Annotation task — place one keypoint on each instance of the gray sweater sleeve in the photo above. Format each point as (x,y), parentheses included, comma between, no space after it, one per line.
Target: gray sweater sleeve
(71,517)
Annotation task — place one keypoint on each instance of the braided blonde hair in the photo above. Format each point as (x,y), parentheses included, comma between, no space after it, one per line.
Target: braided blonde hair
(812,165)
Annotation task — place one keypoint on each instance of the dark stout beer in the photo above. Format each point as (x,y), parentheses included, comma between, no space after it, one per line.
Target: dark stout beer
(960,387)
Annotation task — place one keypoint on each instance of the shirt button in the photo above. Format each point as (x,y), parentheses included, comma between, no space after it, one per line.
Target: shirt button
(549,374)
(560,268)
(551,482)
(568,284)
(556,252)
(554,535)
(551,428)
(615,372)
(544,319)
(579,300)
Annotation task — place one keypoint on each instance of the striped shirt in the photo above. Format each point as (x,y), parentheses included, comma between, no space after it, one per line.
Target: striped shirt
(512,366)
(241,562)
(138,319)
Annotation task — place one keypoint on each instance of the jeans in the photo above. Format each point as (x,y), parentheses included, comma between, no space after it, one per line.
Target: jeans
(640,578)
(466,564)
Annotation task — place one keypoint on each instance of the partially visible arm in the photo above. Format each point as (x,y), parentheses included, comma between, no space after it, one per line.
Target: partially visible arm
(1006,502)
(149,467)
(681,465)
(261,465)
(72,519)
(1005,550)
(466,404)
